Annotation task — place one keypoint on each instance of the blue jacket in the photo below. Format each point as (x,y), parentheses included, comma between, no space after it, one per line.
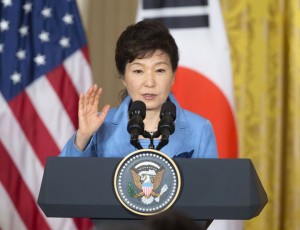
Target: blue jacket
(193,136)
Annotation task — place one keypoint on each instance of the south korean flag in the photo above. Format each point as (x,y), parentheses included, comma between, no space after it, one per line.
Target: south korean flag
(204,79)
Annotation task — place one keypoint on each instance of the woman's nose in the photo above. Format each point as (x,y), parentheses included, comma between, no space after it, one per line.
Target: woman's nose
(150,80)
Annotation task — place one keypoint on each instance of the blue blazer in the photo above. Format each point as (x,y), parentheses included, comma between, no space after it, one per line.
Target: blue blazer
(193,136)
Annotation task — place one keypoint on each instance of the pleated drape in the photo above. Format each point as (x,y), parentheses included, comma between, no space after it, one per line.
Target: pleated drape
(265,50)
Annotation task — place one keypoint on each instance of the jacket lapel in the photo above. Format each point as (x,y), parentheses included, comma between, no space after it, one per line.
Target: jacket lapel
(118,129)
(178,141)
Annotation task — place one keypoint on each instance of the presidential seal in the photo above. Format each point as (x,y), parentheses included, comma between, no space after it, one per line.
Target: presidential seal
(147,182)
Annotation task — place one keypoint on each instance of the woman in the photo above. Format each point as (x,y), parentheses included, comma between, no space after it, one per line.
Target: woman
(147,58)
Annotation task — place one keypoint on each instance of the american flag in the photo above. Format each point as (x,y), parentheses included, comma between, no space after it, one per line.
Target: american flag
(43,68)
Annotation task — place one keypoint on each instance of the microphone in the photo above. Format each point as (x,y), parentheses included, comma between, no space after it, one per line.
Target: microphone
(137,113)
(166,126)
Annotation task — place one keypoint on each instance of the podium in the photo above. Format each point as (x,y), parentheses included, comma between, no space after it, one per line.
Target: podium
(211,189)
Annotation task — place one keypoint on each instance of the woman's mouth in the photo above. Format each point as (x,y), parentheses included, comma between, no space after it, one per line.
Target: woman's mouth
(148,96)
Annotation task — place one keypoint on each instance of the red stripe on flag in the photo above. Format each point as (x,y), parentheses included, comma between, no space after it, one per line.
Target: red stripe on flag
(85,52)
(35,130)
(198,94)
(83,223)
(19,193)
(63,86)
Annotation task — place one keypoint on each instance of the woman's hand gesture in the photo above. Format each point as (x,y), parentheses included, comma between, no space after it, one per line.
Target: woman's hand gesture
(89,118)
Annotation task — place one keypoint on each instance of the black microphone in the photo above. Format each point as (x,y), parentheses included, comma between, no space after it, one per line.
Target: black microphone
(137,113)
(166,126)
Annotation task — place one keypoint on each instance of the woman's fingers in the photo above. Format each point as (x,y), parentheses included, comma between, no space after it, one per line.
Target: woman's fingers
(97,96)
(93,94)
(90,98)
(104,113)
(87,97)
(80,103)
(88,102)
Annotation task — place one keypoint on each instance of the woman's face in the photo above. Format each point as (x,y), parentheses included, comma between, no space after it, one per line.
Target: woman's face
(150,79)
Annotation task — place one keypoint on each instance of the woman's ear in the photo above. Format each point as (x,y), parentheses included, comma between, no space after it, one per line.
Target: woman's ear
(123,80)
(124,83)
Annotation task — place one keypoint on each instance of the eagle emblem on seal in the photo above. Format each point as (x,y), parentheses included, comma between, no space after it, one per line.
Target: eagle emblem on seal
(147,177)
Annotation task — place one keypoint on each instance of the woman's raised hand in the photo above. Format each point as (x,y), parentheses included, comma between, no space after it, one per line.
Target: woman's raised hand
(89,118)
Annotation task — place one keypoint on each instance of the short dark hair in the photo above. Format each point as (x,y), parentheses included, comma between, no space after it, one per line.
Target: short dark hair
(144,38)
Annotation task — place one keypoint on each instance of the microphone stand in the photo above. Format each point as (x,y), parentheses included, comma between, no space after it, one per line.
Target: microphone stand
(151,137)
(162,143)
(136,143)
(146,134)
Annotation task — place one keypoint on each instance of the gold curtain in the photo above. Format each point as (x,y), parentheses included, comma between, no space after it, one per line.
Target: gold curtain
(265,49)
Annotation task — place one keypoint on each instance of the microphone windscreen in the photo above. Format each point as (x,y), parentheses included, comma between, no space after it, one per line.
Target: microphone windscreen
(137,107)
(168,108)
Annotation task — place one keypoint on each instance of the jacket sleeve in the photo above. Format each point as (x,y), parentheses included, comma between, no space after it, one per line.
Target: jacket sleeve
(70,149)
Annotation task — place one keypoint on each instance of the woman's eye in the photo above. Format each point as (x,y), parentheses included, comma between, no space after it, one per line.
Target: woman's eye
(137,71)
(160,70)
